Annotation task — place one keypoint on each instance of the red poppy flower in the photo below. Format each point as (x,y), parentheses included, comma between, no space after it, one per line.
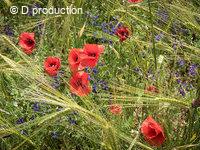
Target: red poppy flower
(115,109)
(27,42)
(79,84)
(91,54)
(123,33)
(74,59)
(152,89)
(152,132)
(135,1)
(52,65)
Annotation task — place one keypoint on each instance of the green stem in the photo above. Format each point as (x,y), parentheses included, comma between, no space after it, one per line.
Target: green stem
(152,34)
(198,87)
(130,140)
(191,124)
(174,101)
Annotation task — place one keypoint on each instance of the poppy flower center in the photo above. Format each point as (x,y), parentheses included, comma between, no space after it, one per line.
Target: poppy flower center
(29,42)
(80,84)
(152,133)
(52,65)
(92,55)
(76,59)
(124,34)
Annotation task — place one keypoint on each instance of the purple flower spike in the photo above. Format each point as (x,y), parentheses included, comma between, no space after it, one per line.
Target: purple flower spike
(54,135)
(36,107)
(181,63)
(95,71)
(94,88)
(159,37)
(8,30)
(182,92)
(192,70)
(20,121)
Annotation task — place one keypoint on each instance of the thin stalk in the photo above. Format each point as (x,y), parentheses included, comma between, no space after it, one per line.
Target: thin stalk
(152,35)
(191,124)
(198,87)
(186,146)
(130,140)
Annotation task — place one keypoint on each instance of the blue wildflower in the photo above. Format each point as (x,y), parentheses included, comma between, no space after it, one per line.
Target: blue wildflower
(110,42)
(159,37)
(96,17)
(94,21)
(175,44)
(54,134)
(89,78)
(184,84)
(36,5)
(94,88)
(8,30)
(184,31)
(113,30)
(103,25)
(61,73)
(178,81)
(40,26)
(20,121)
(72,121)
(110,28)
(55,85)
(23,132)
(104,86)
(36,106)
(87,69)
(119,24)
(193,70)
(182,91)
(30,10)
(136,69)
(163,14)
(94,70)
(56,82)
(181,63)
(176,74)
